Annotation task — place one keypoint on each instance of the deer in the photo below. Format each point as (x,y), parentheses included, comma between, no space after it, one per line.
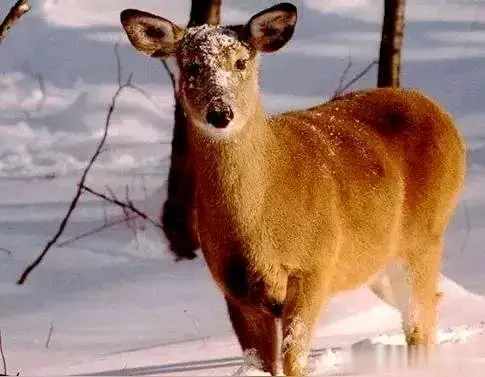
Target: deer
(295,208)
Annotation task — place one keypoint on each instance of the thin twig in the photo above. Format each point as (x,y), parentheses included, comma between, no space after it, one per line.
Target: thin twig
(79,191)
(49,335)
(127,206)
(107,224)
(126,213)
(119,78)
(105,214)
(145,190)
(343,77)
(356,78)
(147,96)
(170,74)
(134,227)
(43,91)
(119,69)
(9,252)
(16,12)
(132,221)
(2,355)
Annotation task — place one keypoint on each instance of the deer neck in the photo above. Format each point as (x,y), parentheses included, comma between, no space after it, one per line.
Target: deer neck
(231,174)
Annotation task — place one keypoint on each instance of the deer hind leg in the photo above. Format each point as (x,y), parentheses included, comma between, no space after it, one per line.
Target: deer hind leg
(257,334)
(393,286)
(411,287)
(300,313)
(424,271)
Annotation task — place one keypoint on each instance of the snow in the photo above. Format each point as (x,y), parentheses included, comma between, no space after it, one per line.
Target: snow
(211,41)
(119,304)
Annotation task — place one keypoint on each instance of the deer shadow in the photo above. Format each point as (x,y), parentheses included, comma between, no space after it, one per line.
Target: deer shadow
(188,366)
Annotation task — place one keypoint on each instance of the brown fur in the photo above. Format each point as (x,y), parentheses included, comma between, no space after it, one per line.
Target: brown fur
(311,203)
(294,208)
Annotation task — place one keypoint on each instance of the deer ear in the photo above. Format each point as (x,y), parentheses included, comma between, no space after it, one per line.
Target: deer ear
(150,34)
(272,28)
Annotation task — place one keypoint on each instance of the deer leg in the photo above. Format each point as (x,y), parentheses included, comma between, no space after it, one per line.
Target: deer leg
(304,300)
(257,334)
(424,272)
(393,286)
(412,289)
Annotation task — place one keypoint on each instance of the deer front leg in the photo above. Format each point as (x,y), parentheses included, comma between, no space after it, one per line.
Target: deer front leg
(305,298)
(257,335)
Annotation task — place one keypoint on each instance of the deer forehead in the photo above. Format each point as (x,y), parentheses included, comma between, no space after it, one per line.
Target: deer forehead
(211,46)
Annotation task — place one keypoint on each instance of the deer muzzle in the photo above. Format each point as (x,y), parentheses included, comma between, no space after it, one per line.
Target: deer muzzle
(219,114)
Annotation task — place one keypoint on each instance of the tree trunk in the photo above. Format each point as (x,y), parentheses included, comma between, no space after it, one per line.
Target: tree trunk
(391,43)
(178,215)
(205,12)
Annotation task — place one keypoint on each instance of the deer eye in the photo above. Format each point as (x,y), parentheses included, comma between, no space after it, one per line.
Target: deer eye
(240,64)
(193,69)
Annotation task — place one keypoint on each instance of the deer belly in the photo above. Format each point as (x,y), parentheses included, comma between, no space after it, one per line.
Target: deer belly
(354,275)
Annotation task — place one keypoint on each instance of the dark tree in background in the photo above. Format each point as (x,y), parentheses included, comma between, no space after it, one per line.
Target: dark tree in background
(205,12)
(391,43)
(178,215)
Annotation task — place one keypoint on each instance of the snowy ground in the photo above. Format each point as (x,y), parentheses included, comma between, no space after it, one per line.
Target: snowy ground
(117,305)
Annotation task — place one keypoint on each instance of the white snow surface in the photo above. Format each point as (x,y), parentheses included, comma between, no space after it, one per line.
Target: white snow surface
(119,305)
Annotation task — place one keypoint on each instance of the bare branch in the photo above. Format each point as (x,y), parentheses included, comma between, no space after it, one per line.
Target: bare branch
(107,224)
(145,190)
(119,68)
(212,13)
(341,84)
(9,252)
(119,77)
(2,355)
(145,94)
(18,10)
(79,191)
(128,206)
(42,88)
(356,78)
(49,335)
(105,214)
(170,74)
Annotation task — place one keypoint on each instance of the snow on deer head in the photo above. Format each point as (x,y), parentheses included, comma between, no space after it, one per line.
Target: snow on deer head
(215,67)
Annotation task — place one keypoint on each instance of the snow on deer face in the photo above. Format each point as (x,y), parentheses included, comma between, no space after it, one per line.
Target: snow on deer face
(218,77)
(215,68)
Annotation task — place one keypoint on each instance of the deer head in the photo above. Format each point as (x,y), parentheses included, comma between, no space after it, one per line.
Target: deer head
(216,67)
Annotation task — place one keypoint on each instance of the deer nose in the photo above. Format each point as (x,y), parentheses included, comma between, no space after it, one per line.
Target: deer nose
(219,115)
